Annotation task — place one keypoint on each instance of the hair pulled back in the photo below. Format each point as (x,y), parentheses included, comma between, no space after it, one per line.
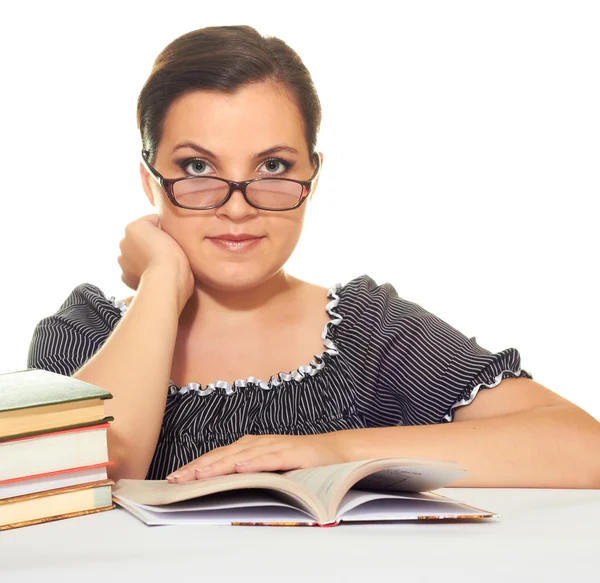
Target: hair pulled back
(223,58)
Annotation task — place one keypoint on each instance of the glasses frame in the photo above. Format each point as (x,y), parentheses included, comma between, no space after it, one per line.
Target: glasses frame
(167,186)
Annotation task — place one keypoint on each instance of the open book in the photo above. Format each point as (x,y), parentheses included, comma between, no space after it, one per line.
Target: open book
(369,490)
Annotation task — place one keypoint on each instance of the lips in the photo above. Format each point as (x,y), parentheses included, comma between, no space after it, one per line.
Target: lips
(235,238)
(242,242)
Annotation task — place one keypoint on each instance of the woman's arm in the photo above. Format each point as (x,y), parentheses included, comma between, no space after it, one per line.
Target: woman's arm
(518,434)
(134,364)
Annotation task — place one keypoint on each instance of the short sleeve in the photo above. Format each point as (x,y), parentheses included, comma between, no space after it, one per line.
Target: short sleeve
(65,341)
(421,367)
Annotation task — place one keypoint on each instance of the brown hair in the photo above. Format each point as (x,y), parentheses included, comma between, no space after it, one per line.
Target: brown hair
(224,58)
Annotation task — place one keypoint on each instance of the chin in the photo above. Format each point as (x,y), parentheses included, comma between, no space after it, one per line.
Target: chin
(235,277)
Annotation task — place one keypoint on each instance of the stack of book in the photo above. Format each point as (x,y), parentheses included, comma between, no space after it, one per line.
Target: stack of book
(53,448)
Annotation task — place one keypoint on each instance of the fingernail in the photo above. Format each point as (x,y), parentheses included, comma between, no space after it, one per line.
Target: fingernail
(177,474)
(204,469)
(242,463)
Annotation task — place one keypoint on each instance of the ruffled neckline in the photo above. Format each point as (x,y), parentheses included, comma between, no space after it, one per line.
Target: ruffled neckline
(297,375)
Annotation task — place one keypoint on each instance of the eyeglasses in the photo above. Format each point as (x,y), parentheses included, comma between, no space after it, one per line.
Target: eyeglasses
(209,192)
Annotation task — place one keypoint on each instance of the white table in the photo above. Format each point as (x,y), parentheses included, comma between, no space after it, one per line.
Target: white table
(542,535)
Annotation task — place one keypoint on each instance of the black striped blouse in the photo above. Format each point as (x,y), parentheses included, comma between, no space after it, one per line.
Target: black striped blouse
(386,362)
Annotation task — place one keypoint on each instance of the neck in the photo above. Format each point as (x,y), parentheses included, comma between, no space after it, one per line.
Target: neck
(207,301)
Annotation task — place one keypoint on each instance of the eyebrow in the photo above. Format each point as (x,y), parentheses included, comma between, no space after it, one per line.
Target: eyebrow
(205,152)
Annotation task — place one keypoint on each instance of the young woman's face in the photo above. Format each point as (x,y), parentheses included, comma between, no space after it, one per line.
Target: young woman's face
(230,133)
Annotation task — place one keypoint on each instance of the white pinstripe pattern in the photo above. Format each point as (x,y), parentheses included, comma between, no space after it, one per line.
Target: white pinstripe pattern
(392,363)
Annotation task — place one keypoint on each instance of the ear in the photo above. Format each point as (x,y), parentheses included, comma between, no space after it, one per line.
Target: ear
(146,184)
(316,182)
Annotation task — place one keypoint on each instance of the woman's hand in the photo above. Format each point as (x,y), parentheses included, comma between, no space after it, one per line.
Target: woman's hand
(264,453)
(146,245)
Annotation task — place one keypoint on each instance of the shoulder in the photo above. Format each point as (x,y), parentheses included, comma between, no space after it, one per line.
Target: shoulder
(86,306)
(64,340)
(365,289)
(363,299)
(88,293)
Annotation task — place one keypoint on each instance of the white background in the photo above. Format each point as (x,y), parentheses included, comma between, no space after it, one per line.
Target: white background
(461,144)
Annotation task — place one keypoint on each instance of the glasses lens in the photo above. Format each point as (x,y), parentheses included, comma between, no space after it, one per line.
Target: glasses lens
(271,193)
(200,192)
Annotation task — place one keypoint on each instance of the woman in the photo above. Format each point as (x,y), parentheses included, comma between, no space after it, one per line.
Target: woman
(229,123)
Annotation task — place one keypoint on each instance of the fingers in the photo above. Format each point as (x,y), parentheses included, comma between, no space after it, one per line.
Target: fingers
(186,473)
(237,457)
(261,459)
(267,462)
(205,467)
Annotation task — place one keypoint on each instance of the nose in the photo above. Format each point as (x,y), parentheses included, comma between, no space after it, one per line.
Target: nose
(236,207)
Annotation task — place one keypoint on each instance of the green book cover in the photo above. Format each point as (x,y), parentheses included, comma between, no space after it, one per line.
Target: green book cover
(36,387)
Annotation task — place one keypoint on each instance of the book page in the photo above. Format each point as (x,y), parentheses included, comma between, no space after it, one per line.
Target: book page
(324,481)
(410,479)
(330,483)
(247,515)
(355,498)
(232,499)
(390,508)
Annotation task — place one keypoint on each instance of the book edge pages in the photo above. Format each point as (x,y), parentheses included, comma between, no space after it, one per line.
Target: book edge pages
(489,513)
(61,429)
(57,517)
(143,516)
(483,516)
(102,425)
(64,472)
(60,407)
(428,508)
(197,489)
(56,491)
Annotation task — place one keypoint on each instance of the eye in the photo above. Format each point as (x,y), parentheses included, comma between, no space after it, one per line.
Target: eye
(194,167)
(276,166)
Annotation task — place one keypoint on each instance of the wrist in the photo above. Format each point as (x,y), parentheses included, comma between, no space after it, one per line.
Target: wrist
(172,281)
(341,442)
(352,445)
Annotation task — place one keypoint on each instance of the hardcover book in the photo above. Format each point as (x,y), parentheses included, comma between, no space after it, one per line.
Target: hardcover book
(53,452)
(36,401)
(55,504)
(369,490)
(12,487)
